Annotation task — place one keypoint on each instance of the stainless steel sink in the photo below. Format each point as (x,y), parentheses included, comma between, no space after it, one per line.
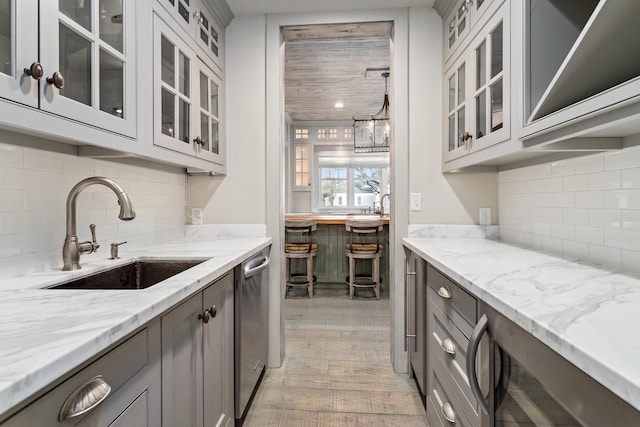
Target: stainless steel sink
(135,275)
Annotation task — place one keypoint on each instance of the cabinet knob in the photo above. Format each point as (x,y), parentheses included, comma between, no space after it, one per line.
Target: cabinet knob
(35,70)
(198,16)
(448,413)
(205,317)
(198,140)
(57,79)
(213,310)
(465,136)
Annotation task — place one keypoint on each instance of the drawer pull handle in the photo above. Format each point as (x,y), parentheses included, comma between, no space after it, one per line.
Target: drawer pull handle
(444,292)
(449,346)
(448,413)
(85,398)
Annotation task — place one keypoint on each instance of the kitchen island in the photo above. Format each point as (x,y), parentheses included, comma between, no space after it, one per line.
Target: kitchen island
(45,333)
(330,265)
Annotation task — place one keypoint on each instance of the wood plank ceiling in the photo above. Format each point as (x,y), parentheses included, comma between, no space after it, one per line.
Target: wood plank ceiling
(325,64)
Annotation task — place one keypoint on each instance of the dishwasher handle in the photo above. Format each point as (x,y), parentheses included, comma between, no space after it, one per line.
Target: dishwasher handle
(255,266)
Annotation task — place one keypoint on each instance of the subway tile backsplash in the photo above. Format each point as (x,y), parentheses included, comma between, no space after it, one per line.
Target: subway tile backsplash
(34,185)
(587,207)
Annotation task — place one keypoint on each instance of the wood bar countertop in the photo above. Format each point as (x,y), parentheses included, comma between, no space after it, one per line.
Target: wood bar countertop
(333,219)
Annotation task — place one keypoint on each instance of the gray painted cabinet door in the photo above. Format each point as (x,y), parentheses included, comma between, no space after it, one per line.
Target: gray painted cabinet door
(182,364)
(218,353)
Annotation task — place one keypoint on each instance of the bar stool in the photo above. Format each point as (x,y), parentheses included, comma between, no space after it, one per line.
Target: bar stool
(364,243)
(299,245)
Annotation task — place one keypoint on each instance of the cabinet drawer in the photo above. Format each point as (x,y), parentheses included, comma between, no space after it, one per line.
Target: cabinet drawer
(117,368)
(441,394)
(459,305)
(441,328)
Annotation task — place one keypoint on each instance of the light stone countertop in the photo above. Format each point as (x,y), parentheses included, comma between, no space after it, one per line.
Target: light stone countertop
(45,333)
(586,313)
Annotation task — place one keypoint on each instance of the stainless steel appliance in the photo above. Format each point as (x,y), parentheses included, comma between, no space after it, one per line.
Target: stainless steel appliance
(415,318)
(251,329)
(525,383)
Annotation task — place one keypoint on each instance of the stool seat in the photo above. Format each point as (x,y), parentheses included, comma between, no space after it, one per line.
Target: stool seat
(299,245)
(364,243)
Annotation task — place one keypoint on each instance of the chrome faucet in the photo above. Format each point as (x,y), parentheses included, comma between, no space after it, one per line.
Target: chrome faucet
(72,249)
(387,195)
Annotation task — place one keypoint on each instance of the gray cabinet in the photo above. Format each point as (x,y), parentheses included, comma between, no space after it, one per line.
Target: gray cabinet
(415,327)
(73,59)
(197,358)
(451,314)
(131,373)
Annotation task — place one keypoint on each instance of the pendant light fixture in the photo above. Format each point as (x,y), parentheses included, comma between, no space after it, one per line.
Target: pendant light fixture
(371,135)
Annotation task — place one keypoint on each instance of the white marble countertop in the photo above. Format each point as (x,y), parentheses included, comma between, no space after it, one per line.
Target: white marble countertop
(44,333)
(587,314)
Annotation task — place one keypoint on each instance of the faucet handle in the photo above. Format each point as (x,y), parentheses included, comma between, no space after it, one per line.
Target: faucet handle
(94,243)
(114,250)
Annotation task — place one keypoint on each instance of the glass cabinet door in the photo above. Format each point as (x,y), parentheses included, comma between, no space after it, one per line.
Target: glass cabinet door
(209,35)
(174,82)
(19,50)
(88,52)
(456,100)
(208,117)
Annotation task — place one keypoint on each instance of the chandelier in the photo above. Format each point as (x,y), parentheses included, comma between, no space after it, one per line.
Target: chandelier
(371,135)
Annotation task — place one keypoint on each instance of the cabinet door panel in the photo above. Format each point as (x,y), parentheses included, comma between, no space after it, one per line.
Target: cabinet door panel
(209,124)
(182,364)
(18,50)
(218,353)
(92,45)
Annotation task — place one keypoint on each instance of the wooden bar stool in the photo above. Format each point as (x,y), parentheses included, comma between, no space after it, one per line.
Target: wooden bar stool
(299,245)
(364,243)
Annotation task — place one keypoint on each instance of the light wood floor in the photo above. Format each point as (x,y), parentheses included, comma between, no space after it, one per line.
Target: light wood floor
(337,370)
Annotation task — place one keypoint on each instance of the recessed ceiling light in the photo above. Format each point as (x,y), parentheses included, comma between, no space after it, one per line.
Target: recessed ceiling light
(339,104)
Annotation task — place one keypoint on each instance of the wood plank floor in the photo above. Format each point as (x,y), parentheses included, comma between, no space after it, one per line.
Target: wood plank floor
(337,370)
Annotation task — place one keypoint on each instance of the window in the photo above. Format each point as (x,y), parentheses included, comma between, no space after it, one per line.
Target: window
(349,181)
(348,133)
(333,133)
(322,134)
(302,166)
(302,133)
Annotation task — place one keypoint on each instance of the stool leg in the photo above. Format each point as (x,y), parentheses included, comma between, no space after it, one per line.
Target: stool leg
(310,275)
(376,275)
(352,274)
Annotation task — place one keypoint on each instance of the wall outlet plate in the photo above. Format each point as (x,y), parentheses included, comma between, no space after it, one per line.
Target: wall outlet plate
(415,202)
(484,216)
(196,216)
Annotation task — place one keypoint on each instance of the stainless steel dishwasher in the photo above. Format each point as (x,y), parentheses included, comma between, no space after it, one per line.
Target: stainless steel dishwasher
(251,329)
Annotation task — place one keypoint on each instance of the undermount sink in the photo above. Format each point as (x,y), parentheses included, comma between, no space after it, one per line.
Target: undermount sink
(139,274)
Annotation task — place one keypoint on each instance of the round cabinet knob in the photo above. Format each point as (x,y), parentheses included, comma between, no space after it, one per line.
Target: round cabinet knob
(213,310)
(198,140)
(56,79)
(465,136)
(35,70)
(205,316)
(198,16)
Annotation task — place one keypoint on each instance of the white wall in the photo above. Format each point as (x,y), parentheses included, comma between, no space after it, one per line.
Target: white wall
(587,207)
(239,197)
(34,185)
(451,198)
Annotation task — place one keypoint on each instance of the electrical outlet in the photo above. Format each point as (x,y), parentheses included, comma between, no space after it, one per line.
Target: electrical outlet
(416,202)
(196,216)
(484,216)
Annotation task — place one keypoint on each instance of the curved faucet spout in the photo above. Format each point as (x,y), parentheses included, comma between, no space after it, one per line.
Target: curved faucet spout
(72,249)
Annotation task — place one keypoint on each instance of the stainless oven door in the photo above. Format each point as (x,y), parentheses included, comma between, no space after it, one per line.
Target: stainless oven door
(532,385)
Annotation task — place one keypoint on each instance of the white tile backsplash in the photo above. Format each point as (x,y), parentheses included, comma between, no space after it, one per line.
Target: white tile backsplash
(587,207)
(34,185)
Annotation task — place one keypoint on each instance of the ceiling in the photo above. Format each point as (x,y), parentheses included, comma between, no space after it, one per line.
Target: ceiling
(325,64)
(259,7)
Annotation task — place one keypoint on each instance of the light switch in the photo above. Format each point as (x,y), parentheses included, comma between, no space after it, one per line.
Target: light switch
(416,201)
(484,216)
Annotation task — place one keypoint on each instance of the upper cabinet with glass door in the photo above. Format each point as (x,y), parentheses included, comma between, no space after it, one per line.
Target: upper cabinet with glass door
(189,115)
(463,19)
(477,85)
(201,19)
(73,59)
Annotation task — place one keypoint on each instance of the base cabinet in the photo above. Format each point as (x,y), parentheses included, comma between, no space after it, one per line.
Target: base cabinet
(197,359)
(131,371)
